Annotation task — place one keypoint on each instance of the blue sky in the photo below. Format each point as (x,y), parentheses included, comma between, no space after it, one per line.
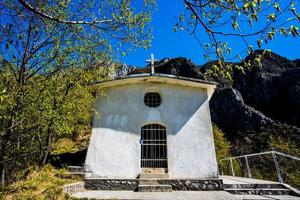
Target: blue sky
(167,43)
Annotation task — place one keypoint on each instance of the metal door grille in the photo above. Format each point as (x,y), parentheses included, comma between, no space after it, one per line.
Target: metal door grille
(153,146)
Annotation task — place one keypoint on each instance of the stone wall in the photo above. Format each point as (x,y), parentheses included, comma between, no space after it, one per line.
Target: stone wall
(192,184)
(74,187)
(177,184)
(111,184)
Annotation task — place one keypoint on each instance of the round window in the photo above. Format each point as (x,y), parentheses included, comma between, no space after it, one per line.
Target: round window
(152,99)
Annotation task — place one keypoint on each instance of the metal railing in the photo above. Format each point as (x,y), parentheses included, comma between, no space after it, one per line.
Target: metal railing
(274,155)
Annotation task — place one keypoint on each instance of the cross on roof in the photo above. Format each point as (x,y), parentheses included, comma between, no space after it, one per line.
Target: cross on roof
(151,61)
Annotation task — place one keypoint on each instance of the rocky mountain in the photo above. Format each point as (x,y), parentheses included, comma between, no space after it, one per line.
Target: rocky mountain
(261,103)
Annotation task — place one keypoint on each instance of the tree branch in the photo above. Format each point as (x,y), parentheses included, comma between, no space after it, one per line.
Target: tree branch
(42,14)
(209,30)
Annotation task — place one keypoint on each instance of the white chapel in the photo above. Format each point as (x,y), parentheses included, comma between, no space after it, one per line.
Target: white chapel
(152,124)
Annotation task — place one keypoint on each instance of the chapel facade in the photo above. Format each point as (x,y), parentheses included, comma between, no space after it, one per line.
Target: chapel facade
(152,124)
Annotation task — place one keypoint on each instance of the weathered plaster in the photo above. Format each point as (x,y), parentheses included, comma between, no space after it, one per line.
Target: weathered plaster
(114,149)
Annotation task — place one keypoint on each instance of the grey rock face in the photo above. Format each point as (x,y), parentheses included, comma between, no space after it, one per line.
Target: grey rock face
(177,66)
(272,89)
(229,111)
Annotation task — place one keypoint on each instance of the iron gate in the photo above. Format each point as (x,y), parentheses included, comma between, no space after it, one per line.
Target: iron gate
(153,146)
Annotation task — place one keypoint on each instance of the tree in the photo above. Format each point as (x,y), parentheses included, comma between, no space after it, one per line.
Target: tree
(49,51)
(254,22)
(222,145)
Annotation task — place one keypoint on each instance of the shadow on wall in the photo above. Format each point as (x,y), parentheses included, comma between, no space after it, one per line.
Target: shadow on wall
(78,158)
(123,108)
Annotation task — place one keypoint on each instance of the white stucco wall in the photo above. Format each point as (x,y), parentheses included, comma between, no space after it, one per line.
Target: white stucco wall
(114,150)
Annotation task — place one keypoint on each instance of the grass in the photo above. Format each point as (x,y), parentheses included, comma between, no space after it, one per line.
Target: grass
(40,184)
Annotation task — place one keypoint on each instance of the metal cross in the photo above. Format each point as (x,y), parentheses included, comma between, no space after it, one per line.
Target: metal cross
(151,61)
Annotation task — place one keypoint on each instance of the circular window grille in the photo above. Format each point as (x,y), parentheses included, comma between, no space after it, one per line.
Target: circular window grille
(152,99)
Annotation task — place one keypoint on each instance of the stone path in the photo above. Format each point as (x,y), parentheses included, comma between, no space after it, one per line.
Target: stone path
(175,195)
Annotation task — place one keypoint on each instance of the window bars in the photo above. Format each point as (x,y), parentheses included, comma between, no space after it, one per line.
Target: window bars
(153,146)
(152,99)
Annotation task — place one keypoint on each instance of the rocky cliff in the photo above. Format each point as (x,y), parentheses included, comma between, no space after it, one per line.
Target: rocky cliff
(261,103)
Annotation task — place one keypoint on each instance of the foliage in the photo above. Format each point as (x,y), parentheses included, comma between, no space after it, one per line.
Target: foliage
(262,167)
(51,108)
(72,144)
(222,145)
(253,22)
(64,145)
(83,137)
(223,148)
(40,184)
(50,51)
(289,167)
(285,145)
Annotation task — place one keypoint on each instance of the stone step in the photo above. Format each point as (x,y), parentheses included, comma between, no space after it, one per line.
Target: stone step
(255,186)
(259,191)
(155,188)
(149,182)
(154,176)
(154,170)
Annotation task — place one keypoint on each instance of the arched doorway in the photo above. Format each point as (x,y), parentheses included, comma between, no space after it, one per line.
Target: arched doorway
(153,146)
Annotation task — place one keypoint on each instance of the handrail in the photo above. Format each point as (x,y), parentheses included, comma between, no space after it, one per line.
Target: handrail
(287,155)
(274,153)
(263,153)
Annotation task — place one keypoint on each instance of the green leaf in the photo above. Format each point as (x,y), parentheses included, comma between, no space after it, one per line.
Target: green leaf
(271,17)
(246,6)
(254,16)
(283,32)
(277,7)
(292,4)
(259,43)
(293,10)
(294,30)
(271,35)
(235,24)
(229,50)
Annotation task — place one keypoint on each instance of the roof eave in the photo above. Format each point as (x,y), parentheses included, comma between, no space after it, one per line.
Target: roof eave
(136,78)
